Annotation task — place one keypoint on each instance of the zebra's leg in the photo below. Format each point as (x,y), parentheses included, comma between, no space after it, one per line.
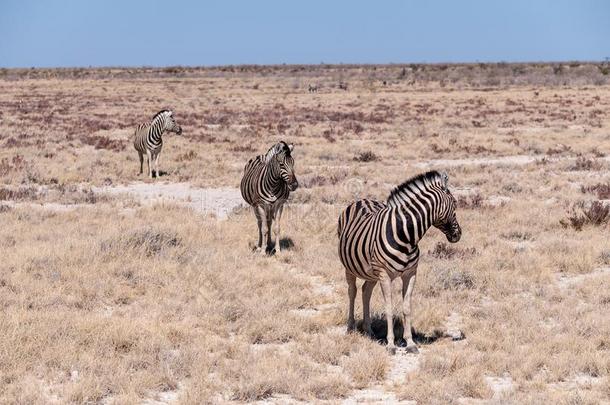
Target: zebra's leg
(269,213)
(141,162)
(386,289)
(157,163)
(351,292)
(278,216)
(150,162)
(408,283)
(259,213)
(367,291)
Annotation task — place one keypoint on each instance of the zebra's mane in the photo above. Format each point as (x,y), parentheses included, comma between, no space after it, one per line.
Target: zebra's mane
(276,149)
(159,113)
(426,179)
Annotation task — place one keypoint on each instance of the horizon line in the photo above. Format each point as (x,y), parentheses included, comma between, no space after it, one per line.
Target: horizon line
(319,64)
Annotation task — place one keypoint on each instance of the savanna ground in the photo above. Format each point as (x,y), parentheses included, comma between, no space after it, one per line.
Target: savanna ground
(113,298)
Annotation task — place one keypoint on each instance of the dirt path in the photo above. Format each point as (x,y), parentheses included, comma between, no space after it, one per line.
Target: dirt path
(515,160)
(217,201)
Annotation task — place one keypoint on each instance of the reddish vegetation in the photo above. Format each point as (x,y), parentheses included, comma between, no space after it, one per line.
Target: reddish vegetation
(602,190)
(103,142)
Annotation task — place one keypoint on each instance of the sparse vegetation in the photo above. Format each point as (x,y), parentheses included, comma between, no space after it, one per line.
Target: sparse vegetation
(366,156)
(580,215)
(602,190)
(111,299)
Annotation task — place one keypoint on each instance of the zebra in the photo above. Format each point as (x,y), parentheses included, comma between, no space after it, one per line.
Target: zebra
(147,138)
(378,243)
(267,181)
(313,88)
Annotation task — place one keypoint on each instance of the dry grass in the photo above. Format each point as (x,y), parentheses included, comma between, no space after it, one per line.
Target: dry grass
(120,302)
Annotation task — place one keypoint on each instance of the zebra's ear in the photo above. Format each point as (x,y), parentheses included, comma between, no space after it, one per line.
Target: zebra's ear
(445,180)
(291,147)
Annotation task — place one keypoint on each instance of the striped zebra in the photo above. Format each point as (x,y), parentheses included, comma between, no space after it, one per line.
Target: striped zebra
(378,243)
(267,181)
(147,138)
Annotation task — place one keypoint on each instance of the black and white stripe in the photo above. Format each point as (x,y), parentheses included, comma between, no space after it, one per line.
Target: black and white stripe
(266,184)
(378,242)
(147,138)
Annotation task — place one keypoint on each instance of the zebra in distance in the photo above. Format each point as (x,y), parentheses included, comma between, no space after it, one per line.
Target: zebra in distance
(378,243)
(267,181)
(313,88)
(147,138)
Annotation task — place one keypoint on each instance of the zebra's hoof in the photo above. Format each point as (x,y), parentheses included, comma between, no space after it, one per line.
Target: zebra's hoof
(270,251)
(412,349)
(401,343)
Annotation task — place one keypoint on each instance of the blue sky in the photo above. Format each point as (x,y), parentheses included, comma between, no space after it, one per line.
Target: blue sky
(161,33)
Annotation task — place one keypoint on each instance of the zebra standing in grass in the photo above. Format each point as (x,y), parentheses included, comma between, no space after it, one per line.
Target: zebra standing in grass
(267,181)
(147,139)
(378,243)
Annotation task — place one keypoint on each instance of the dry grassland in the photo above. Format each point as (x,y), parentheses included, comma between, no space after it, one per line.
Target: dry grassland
(109,298)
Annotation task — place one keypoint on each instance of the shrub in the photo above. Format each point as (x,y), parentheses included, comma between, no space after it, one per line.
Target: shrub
(444,251)
(367,156)
(187,156)
(453,278)
(470,201)
(585,164)
(602,190)
(23,193)
(103,142)
(596,214)
(146,241)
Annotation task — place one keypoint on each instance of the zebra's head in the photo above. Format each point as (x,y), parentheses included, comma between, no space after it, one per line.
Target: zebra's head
(280,155)
(446,220)
(169,122)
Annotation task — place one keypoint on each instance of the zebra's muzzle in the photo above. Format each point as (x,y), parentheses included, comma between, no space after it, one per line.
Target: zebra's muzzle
(294,185)
(454,234)
(179,131)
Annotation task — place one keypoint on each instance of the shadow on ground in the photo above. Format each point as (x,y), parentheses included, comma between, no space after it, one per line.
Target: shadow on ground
(161,174)
(380,331)
(285,244)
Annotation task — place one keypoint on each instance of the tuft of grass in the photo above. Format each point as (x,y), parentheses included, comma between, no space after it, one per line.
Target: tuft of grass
(585,164)
(367,365)
(470,201)
(103,142)
(146,241)
(366,156)
(580,215)
(602,190)
(445,251)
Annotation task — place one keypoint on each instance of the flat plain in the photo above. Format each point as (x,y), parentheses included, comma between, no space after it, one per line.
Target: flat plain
(115,288)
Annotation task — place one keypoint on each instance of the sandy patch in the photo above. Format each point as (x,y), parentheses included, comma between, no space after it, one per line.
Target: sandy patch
(566,281)
(217,201)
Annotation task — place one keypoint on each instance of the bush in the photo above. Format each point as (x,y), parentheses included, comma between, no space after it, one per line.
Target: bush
(596,214)
(585,164)
(602,190)
(146,241)
(453,278)
(444,251)
(470,202)
(367,156)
